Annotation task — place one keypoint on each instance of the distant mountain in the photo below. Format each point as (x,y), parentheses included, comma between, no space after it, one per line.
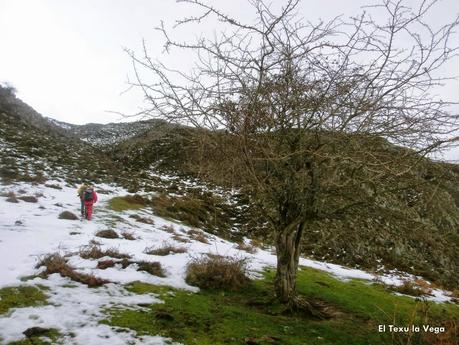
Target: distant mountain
(105,135)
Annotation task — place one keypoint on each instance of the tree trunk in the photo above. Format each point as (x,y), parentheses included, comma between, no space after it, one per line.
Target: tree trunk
(288,248)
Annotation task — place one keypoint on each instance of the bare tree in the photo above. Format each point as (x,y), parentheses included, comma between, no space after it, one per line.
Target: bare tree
(303,105)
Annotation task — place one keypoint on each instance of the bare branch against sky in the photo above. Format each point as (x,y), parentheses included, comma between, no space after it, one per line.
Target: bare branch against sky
(66,57)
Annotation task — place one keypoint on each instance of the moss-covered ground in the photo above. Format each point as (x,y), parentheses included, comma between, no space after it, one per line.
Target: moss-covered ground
(124,203)
(20,297)
(48,337)
(252,316)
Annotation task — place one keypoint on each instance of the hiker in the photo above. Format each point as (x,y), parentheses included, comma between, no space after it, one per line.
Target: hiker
(80,192)
(88,197)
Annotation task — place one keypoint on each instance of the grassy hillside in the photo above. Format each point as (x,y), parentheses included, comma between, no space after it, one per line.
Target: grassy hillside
(412,224)
(251,316)
(413,227)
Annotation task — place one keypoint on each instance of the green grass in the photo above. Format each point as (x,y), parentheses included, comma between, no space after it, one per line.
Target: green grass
(222,317)
(20,297)
(48,338)
(364,299)
(124,203)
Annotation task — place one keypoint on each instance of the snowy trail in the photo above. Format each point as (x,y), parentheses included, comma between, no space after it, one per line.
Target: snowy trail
(31,230)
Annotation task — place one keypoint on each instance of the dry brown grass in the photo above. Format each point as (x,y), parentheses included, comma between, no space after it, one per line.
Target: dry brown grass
(449,337)
(28,198)
(136,199)
(246,247)
(95,252)
(142,219)
(409,288)
(165,249)
(179,238)
(11,197)
(104,264)
(56,263)
(425,285)
(153,268)
(198,236)
(94,242)
(128,236)
(217,272)
(168,228)
(197,208)
(107,234)
(54,186)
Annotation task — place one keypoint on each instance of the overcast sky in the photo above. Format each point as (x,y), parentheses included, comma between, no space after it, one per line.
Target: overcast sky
(66,57)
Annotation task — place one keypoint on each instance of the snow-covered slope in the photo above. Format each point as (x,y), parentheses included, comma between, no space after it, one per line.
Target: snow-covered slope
(29,230)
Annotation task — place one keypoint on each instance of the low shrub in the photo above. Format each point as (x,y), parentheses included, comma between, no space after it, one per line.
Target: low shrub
(107,234)
(164,250)
(217,272)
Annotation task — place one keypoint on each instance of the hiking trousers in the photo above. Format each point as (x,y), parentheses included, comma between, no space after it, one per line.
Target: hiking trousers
(82,207)
(88,209)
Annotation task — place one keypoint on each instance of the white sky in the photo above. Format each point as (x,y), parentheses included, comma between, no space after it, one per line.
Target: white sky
(66,57)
